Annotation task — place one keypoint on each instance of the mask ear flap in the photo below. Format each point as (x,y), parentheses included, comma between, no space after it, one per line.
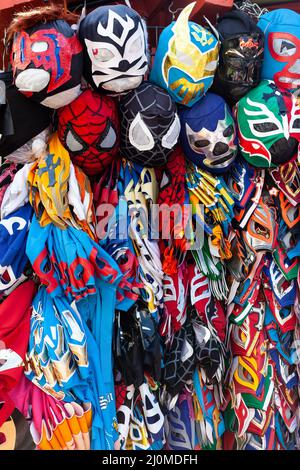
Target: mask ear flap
(139,134)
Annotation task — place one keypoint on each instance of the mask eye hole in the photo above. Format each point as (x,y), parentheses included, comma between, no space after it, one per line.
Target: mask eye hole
(139,134)
(284,47)
(136,46)
(102,54)
(265,127)
(261,230)
(73,142)
(201,143)
(108,138)
(171,137)
(296,123)
(39,46)
(228,131)
(184,58)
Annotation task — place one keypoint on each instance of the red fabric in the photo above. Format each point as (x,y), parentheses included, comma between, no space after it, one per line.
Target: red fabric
(14,336)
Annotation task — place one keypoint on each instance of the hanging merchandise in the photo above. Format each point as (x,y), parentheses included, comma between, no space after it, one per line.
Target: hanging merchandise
(150,240)
(14,337)
(266,122)
(89,129)
(149,125)
(25,139)
(208,134)
(54,191)
(46,55)
(241,55)
(186,59)
(282,48)
(14,265)
(114,38)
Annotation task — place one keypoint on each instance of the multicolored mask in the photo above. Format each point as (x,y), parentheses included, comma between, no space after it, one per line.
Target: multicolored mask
(89,129)
(282,52)
(262,228)
(149,125)
(115,48)
(208,134)
(46,58)
(241,182)
(264,126)
(241,56)
(186,59)
(287,178)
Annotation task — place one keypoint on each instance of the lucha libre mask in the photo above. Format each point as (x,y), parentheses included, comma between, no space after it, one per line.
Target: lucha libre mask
(46,59)
(149,125)
(89,128)
(287,178)
(241,182)
(241,56)
(264,126)
(282,48)
(262,227)
(115,48)
(186,59)
(208,134)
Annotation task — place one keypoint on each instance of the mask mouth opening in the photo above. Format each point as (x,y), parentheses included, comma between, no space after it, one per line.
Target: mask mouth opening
(227,159)
(32,80)
(119,85)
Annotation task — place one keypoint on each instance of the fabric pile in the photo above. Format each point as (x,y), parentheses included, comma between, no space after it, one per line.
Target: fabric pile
(150,233)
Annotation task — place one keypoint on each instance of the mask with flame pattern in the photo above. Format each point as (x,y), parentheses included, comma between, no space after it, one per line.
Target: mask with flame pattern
(266,123)
(186,59)
(208,134)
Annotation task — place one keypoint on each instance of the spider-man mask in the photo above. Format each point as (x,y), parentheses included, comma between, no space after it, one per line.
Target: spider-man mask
(89,129)
(150,125)
(47,63)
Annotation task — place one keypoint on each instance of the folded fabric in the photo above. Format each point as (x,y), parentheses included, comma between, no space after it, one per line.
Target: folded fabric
(14,337)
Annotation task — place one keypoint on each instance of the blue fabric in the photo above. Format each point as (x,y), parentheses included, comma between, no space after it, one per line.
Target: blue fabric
(206,115)
(81,276)
(87,381)
(13,235)
(286,25)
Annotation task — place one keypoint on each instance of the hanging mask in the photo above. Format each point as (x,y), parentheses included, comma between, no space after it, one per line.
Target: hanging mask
(264,126)
(46,56)
(208,134)
(89,128)
(23,133)
(241,182)
(115,48)
(287,178)
(262,227)
(149,125)
(186,59)
(241,56)
(284,290)
(282,51)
